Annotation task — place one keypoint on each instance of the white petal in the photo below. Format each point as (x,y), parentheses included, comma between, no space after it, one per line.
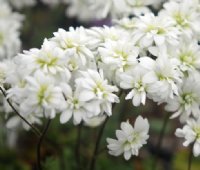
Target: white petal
(86,95)
(65,116)
(141,124)
(196,149)
(127,155)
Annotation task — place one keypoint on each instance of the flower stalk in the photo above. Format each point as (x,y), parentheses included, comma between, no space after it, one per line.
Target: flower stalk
(33,128)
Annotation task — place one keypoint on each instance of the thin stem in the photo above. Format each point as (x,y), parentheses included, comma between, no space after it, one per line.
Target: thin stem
(78,145)
(34,129)
(39,144)
(98,140)
(160,140)
(190,156)
(95,153)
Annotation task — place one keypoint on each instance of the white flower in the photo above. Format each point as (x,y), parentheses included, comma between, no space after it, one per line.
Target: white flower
(41,96)
(187,102)
(9,41)
(76,106)
(128,24)
(185,15)
(191,133)
(19,4)
(100,35)
(112,7)
(118,57)
(76,41)
(10,24)
(88,10)
(134,80)
(95,87)
(163,77)
(155,31)
(7,16)
(129,139)
(79,9)
(188,53)
(50,59)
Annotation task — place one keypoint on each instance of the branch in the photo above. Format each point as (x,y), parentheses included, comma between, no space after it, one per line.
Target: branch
(34,129)
(39,144)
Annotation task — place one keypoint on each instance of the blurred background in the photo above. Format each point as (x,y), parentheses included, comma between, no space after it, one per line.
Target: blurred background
(18,147)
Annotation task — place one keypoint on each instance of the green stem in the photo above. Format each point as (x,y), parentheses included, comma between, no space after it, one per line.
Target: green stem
(160,140)
(95,153)
(191,156)
(98,140)
(34,129)
(78,147)
(39,166)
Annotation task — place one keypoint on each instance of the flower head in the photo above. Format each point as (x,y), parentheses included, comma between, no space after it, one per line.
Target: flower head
(129,139)
(191,133)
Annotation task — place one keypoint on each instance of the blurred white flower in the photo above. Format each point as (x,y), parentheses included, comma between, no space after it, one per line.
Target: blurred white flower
(3,70)
(156,31)
(19,4)
(10,23)
(187,53)
(185,14)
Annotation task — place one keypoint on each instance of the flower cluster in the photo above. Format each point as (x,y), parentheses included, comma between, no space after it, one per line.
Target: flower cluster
(191,133)
(87,10)
(61,77)
(78,74)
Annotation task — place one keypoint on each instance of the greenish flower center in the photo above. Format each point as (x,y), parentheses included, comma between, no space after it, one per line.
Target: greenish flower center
(187,57)
(41,94)
(158,29)
(1,38)
(134,139)
(187,98)
(181,20)
(196,129)
(50,62)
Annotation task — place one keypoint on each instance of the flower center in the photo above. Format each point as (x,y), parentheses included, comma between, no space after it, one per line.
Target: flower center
(187,57)
(42,94)
(139,86)
(50,62)
(187,98)
(157,29)
(1,38)
(76,103)
(180,19)
(196,129)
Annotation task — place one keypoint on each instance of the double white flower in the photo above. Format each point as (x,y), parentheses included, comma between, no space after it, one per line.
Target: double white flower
(95,87)
(191,133)
(129,139)
(187,102)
